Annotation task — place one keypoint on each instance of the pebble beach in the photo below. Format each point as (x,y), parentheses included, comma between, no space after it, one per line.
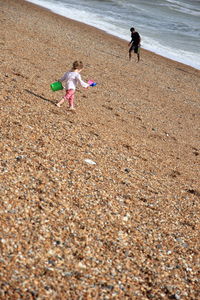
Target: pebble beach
(102,203)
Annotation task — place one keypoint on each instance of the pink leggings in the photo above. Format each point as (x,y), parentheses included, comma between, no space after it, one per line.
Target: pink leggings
(70,97)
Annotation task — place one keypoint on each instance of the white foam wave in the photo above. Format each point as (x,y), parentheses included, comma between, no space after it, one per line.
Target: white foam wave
(186,57)
(183,7)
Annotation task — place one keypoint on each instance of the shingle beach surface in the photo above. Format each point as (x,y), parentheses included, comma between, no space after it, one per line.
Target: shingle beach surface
(104,203)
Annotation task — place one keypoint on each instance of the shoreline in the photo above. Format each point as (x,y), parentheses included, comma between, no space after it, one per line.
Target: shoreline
(110,34)
(125,226)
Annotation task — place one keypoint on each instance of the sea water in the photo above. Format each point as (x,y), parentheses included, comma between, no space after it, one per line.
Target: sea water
(170,28)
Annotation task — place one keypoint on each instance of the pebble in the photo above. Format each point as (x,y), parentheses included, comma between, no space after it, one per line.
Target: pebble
(89,161)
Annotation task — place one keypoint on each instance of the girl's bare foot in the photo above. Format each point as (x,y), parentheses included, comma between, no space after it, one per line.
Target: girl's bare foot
(72,109)
(58,104)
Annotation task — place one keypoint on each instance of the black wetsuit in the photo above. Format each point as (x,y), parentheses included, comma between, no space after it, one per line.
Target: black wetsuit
(135,41)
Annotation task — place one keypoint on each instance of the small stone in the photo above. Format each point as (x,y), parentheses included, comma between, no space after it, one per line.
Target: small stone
(20,157)
(81,265)
(89,161)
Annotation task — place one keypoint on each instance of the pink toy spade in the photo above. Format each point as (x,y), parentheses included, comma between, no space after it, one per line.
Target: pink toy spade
(92,83)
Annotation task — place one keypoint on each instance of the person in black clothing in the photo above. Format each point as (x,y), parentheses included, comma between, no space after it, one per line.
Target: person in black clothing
(135,43)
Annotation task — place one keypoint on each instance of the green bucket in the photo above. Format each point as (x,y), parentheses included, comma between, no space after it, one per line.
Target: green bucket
(56,86)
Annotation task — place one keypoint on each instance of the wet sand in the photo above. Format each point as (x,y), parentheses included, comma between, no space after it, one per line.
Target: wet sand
(126,226)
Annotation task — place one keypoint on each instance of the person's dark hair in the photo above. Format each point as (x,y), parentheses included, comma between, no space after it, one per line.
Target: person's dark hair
(77,65)
(132,29)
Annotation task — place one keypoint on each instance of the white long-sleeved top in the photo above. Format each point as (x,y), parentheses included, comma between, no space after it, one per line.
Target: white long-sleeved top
(71,79)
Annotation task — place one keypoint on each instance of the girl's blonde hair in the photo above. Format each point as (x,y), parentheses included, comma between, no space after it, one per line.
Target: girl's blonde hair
(77,65)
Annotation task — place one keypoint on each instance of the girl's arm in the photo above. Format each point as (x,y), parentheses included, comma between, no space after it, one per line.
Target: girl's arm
(82,83)
(63,78)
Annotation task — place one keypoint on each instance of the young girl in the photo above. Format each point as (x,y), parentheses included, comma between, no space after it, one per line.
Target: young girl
(69,81)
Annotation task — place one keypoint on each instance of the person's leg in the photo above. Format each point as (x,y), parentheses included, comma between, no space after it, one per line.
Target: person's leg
(61,102)
(130,52)
(71,99)
(136,51)
(129,55)
(138,54)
